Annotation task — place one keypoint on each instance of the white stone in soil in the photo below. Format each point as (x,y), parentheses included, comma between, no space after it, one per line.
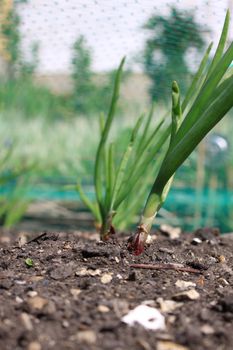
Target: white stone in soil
(148,317)
(184,284)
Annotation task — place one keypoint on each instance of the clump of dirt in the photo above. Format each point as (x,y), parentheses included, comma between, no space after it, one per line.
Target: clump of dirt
(70,291)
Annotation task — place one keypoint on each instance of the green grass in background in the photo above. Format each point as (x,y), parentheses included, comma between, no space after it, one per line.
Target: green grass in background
(22,98)
(64,150)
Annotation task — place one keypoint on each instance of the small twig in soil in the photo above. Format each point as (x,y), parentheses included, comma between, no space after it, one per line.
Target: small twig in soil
(165,267)
(37,238)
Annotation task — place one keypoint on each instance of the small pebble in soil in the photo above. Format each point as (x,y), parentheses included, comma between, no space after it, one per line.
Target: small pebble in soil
(20,282)
(75,293)
(201,281)
(149,239)
(22,240)
(65,324)
(8,322)
(196,241)
(212,260)
(19,300)
(35,278)
(32,293)
(166,250)
(184,284)
(34,346)
(103,308)
(89,337)
(148,317)
(171,232)
(191,294)
(106,278)
(168,306)
(88,272)
(37,302)
(26,321)
(221,259)
(169,345)
(67,246)
(223,281)
(207,329)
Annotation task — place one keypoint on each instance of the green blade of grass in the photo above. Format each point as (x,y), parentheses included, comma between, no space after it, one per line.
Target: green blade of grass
(176,121)
(138,157)
(97,170)
(220,88)
(101,123)
(130,205)
(205,94)
(136,129)
(197,77)
(155,201)
(147,144)
(91,206)
(214,113)
(178,155)
(221,44)
(110,175)
(141,144)
(124,162)
(131,181)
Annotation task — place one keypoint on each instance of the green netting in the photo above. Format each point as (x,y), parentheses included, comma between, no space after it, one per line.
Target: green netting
(57,65)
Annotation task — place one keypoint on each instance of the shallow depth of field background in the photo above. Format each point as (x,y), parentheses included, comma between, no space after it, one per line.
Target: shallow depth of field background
(58,60)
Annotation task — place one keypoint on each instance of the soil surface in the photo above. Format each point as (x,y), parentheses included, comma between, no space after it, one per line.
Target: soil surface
(70,291)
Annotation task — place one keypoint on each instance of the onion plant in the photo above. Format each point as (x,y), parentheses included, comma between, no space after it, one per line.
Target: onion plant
(206,102)
(117,175)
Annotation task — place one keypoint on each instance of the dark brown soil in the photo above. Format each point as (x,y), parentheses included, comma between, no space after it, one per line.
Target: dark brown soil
(78,289)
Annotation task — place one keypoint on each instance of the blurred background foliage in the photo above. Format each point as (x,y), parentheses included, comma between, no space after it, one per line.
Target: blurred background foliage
(164,60)
(49,137)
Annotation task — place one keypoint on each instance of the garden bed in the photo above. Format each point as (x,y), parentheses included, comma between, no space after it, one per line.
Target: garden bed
(78,289)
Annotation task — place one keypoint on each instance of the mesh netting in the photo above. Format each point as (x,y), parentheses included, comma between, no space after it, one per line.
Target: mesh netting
(112,28)
(57,66)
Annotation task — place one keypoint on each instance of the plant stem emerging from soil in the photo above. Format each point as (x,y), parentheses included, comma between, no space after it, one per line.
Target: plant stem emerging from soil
(119,166)
(210,99)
